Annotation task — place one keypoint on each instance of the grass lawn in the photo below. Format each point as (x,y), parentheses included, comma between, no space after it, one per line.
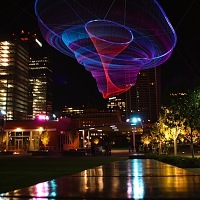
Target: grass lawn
(194,170)
(19,172)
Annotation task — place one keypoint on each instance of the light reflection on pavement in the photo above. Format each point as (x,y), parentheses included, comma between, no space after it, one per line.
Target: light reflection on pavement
(128,179)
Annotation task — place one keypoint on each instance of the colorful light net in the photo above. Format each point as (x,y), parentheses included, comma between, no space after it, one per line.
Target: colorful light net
(112,39)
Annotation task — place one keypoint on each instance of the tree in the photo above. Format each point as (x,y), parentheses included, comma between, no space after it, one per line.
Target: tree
(195,135)
(175,123)
(3,139)
(45,138)
(190,109)
(158,131)
(146,139)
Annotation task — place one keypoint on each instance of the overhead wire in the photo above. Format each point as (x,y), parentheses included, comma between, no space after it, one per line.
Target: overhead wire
(194,66)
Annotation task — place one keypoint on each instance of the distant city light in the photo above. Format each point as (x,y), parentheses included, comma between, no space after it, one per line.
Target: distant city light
(43,117)
(54,116)
(2,112)
(38,42)
(112,98)
(135,120)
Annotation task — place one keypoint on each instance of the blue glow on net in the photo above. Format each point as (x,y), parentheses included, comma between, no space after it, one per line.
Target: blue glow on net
(113,40)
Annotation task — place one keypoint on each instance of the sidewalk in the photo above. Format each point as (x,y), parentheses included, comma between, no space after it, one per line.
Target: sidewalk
(129,179)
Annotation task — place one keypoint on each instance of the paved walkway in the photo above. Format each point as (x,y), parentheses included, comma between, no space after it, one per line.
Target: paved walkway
(129,179)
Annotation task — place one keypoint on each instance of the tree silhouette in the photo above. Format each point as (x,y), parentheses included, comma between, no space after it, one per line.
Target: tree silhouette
(190,109)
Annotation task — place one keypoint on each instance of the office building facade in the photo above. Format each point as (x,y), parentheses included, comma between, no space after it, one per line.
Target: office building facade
(143,99)
(14,78)
(40,76)
(40,84)
(25,77)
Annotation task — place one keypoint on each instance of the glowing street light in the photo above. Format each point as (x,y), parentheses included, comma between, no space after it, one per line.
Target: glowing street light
(134,122)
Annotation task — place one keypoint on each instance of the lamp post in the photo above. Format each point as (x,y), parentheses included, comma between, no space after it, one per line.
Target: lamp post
(134,143)
(133,122)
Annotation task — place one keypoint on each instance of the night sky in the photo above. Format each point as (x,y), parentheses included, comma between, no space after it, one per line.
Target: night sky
(74,86)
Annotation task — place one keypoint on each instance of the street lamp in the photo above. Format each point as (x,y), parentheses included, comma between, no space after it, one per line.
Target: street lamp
(134,122)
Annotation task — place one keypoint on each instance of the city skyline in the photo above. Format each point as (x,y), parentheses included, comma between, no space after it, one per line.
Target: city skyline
(75,86)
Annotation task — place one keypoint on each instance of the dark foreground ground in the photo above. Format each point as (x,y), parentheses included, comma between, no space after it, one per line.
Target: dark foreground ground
(123,178)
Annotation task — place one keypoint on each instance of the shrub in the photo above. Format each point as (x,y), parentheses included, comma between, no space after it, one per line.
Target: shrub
(179,161)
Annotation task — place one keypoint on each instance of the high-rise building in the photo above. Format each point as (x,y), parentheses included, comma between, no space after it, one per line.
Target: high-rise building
(40,80)
(143,99)
(40,77)
(25,77)
(14,78)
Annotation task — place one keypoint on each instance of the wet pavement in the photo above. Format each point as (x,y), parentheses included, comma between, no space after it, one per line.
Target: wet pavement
(128,179)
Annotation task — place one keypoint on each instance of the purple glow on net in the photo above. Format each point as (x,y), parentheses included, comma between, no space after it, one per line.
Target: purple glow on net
(113,40)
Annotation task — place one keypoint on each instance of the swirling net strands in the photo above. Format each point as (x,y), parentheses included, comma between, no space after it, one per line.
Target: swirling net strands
(113,40)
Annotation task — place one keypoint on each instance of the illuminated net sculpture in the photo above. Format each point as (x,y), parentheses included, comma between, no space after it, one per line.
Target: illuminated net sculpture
(113,39)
